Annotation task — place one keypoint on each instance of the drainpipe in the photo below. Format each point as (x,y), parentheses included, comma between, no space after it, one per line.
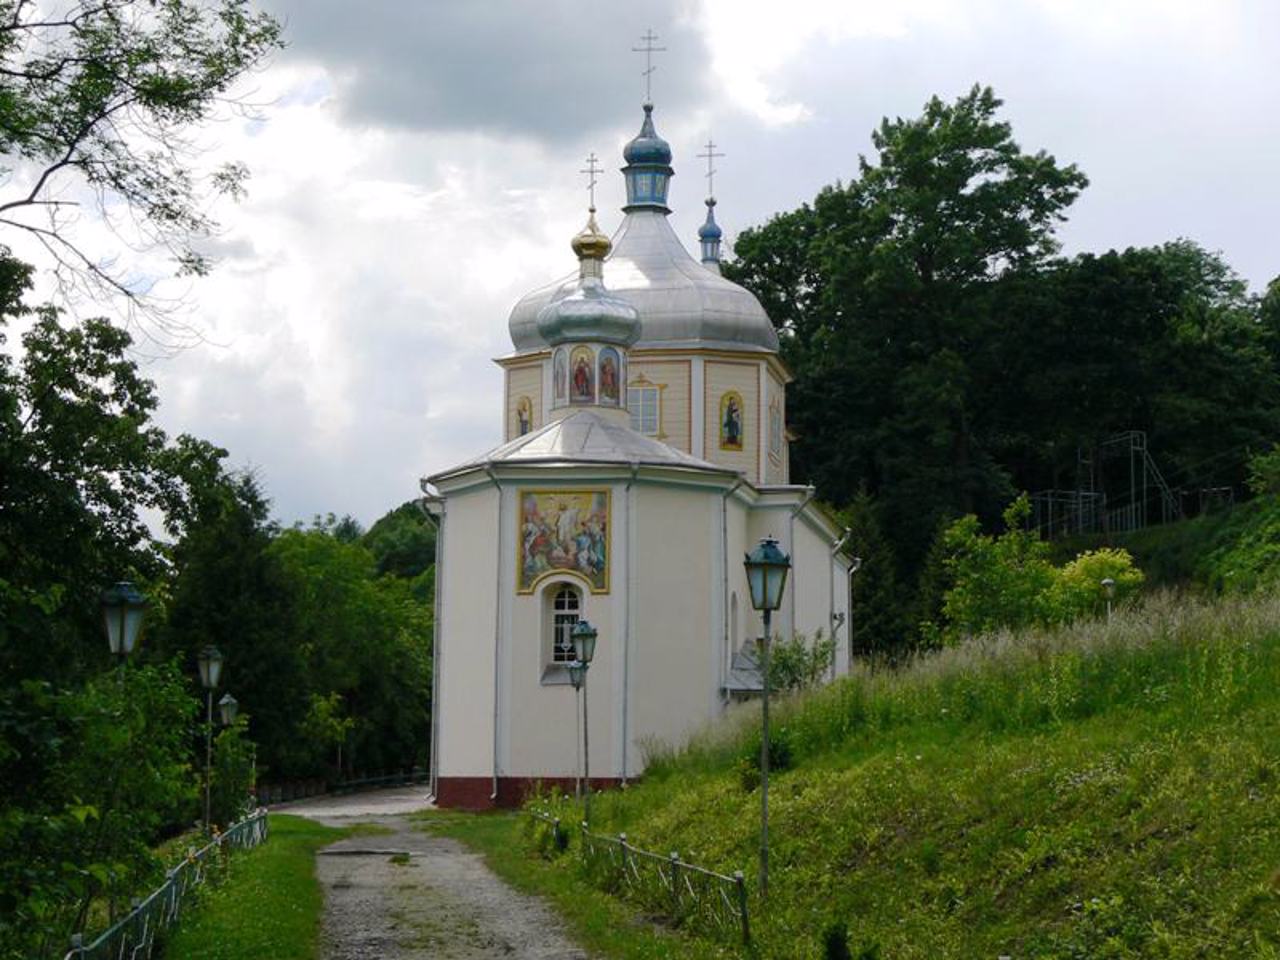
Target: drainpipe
(831,582)
(724,552)
(497,628)
(809,493)
(438,525)
(626,626)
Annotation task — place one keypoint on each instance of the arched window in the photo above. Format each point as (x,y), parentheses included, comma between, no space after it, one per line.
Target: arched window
(566,604)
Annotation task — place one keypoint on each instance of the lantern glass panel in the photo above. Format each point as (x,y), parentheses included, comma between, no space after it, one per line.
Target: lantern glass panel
(228,706)
(210,667)
(775,583)
(132,626)
(584,641)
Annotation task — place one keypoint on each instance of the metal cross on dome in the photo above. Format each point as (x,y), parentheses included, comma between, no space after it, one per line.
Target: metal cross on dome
(648,50)
(591,170)
(710,157)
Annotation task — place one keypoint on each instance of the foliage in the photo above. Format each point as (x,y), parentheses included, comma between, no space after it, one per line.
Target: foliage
(1104,789)
(1249,559)
(232,774)
(88,779)
(273,906)
(103,96)
(944,356)
(403,542)
(1010,582)
(876,623)
(800,663)
(1264,472)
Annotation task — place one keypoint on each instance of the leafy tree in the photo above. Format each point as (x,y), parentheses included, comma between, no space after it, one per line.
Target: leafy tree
(877,626)
(402,541)
(882,288)
(103,94)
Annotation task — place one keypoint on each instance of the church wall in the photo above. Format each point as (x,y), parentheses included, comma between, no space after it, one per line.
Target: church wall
(468,608)
(740,615)
(673,380)
(526,382)
(721,378)
(811,560)
(675,675)
(540,729)
(775,430)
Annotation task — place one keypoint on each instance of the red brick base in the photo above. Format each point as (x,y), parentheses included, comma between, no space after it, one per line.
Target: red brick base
(476,793)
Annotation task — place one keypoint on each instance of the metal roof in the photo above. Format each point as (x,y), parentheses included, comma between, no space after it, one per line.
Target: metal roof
(584,437)
(679,300)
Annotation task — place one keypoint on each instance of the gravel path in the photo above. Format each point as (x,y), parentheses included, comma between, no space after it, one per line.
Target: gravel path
(407,895)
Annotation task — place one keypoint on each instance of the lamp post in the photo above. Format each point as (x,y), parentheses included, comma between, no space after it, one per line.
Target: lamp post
(228,707)
(584,649)
(210,663)
(1109,586)
(123,608)
(767,568)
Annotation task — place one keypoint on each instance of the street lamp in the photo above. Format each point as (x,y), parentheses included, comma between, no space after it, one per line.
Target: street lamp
(767,568)
(210,663)
(122,610)
(584,648)
(228,707)
(1109,586)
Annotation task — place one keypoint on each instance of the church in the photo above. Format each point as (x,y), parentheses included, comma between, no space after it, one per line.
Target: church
(646,451)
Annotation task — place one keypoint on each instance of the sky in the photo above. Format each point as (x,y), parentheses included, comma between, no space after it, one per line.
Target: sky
(415,170)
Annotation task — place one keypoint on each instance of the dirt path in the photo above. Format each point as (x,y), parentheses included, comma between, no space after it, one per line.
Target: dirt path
(406,895)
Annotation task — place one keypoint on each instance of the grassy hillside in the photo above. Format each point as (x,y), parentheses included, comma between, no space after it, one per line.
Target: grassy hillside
(1104,791)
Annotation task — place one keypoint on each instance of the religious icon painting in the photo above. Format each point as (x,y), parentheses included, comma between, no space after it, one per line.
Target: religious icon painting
(582,376)
(564,531)
(731,410)
(524,416)
(560,375)
(610,377)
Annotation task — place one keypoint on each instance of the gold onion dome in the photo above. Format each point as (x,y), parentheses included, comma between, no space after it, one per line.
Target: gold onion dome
(590,243)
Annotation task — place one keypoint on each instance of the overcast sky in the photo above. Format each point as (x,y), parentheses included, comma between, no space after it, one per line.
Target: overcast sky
(415,171)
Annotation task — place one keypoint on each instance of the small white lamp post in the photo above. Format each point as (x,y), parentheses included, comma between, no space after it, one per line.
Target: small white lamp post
(1109,587)
(210,663)
(767,568)
(584,649)
(228,707)
(123,608)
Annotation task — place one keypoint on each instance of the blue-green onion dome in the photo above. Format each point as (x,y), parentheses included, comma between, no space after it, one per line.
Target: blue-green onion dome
(710,230)
(648,147)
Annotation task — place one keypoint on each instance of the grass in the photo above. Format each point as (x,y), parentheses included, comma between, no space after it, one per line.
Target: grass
(1110,790)
(604,925)
(271,904)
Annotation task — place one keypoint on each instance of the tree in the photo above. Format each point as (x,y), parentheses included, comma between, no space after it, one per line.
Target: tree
(877,627)
(402,541)
(882,289)
(102,95)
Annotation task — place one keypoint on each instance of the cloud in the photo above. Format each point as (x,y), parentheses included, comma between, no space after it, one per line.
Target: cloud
(545,71)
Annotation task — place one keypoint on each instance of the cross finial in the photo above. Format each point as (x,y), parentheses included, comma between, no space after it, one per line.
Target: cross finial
(710,157)
(591,170)
(648,50)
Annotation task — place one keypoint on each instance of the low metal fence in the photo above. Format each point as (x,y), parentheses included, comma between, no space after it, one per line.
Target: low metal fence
(684,893)
(134,936)
(283,792)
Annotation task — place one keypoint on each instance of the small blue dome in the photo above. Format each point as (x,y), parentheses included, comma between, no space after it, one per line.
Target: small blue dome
(710,230)
(648,147)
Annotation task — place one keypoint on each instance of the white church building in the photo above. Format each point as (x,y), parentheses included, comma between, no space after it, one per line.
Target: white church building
(646,452)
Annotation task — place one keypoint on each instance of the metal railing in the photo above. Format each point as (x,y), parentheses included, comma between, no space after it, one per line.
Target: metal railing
(134,936)
(686,894)
(284,791)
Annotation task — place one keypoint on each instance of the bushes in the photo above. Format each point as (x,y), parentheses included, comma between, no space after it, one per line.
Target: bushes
(1009,581)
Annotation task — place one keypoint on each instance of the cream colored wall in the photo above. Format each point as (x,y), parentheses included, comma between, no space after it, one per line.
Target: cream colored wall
(674,671)
(540,727)
(811,584)
(524,381)
(720,377)
(776,466)
(468,607)
(674,378)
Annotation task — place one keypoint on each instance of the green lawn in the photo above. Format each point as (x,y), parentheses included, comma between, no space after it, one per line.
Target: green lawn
(270,904)
(1105,792)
